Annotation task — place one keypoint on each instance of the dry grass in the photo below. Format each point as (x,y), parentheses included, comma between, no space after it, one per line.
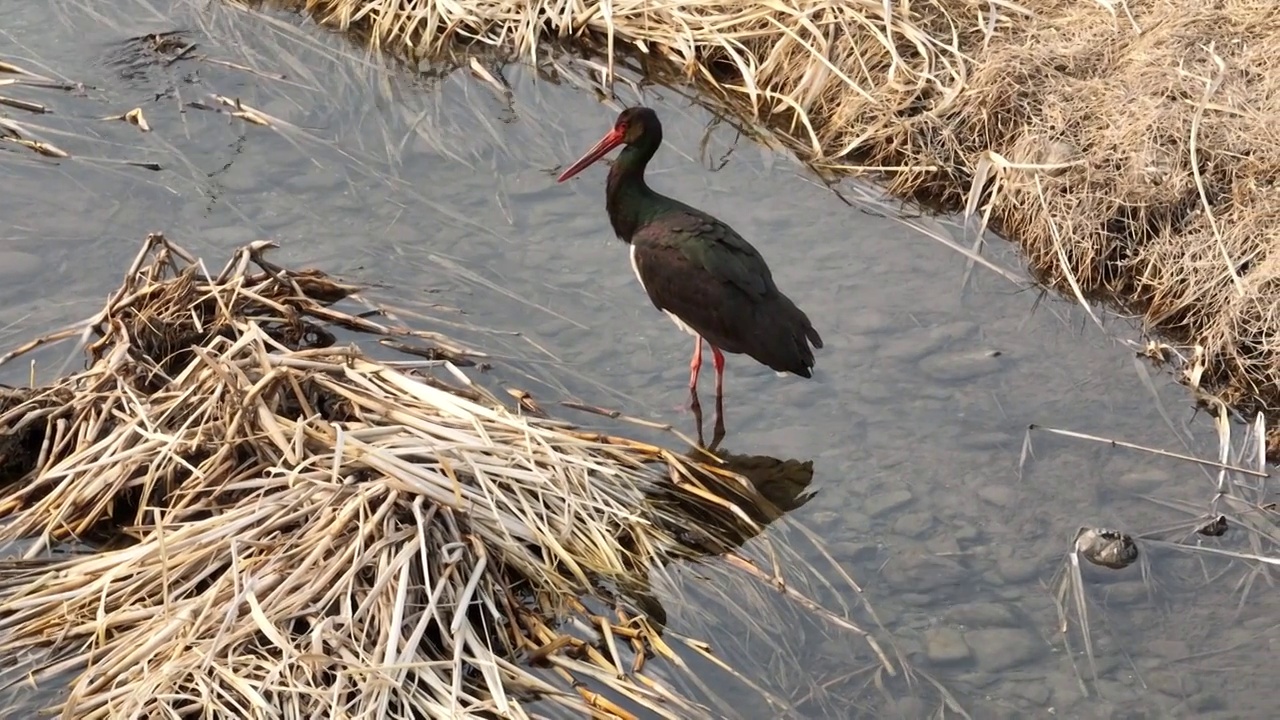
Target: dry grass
(1128,147)
(1233,537)
(25,139)
(282,526)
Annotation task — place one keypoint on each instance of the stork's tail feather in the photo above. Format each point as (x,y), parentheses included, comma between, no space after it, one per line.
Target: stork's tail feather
(786,334)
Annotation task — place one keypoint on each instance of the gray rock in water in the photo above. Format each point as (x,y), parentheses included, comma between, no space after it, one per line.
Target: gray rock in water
(914,524)
(999,649)
(945,645)
(919,343)
(1015,569)
(982,615)
(961,366)
(918,572)
(1001,496)
(886,502)
(15,263)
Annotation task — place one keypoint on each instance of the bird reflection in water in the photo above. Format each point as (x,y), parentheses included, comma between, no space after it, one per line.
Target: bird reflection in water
(706,528)
(717,433)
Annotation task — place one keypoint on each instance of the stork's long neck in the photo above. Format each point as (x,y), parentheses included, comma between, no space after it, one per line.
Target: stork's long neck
(628,198)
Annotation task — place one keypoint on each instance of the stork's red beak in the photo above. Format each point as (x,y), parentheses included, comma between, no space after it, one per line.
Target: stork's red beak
(611,140)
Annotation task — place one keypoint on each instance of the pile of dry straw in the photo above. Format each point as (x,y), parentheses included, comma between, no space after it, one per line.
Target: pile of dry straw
(1129,146)
(235,515)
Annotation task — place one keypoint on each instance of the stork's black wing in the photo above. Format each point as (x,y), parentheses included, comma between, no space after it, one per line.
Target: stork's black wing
(698,269)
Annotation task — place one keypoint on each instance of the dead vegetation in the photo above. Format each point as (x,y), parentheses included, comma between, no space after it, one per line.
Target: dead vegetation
(1127,147)
(26,139)
(281,525)
(1229,540)
(14,134)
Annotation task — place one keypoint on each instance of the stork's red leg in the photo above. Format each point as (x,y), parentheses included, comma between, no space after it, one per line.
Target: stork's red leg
(696,363)
(694,366)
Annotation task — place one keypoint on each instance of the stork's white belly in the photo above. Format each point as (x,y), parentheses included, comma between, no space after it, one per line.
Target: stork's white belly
(679,323)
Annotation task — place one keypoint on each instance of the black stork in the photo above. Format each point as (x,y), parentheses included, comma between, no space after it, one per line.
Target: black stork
(709,280)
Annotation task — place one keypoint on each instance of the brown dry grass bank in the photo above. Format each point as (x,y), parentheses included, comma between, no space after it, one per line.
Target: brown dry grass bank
(1129,147)
(278,525)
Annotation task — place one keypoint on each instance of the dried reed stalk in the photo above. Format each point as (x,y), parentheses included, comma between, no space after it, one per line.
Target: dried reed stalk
(285,527)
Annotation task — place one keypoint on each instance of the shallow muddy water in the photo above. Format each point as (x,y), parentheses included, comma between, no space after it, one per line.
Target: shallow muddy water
(441,188)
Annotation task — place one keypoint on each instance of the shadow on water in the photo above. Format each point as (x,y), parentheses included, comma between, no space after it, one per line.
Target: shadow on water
(777,487)
(436,184)
(710,530)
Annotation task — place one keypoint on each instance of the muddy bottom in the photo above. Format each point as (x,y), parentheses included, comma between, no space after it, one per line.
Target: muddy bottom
(440,187)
